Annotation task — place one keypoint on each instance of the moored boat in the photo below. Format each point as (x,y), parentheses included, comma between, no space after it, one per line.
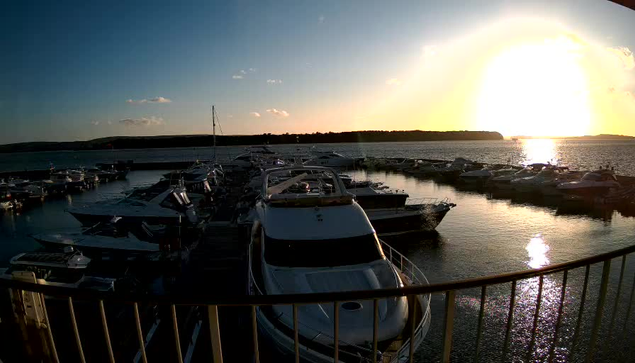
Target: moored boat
(307,238)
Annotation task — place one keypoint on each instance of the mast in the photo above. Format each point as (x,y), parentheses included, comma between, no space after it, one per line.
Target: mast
(214,130)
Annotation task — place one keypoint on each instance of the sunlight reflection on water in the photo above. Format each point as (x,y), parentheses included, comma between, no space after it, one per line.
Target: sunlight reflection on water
(537,250)
(539,151)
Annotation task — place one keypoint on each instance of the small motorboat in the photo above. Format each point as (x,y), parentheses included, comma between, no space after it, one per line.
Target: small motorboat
(595,183)
(535,182)
(476,176)
(104,237)
(63,269)
(158,204)
(330,159)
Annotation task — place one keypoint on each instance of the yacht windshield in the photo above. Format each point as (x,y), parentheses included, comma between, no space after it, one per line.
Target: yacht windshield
(322,253)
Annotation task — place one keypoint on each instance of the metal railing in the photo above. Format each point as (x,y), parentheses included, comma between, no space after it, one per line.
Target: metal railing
(579,338)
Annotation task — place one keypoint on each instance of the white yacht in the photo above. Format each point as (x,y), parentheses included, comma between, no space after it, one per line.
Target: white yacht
(476,176)
(330,159)
(504,181)
(63,269)
(108,237)
(310,236)
(594,183)
(158,204)
(535,182)
(392,212)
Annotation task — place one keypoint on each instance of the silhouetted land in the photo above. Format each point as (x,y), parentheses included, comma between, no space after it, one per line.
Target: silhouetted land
(145,142)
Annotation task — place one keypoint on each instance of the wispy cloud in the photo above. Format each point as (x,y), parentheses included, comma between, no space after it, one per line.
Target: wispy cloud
(278,113)
(321,19)
(255,114)
(238,76)
(94,123)
(143,121)
(274,81)
(625,55)
(394,82)
(150,100)
(252,70)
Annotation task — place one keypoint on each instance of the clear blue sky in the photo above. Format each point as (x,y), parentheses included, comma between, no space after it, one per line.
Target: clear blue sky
(87,69)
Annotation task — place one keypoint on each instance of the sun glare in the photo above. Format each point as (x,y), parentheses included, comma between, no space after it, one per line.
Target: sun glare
(536,89)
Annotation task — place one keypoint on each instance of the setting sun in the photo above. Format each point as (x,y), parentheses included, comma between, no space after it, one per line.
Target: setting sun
(536,89)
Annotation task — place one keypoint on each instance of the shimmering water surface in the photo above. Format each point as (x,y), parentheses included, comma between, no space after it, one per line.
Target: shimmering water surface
(485,234)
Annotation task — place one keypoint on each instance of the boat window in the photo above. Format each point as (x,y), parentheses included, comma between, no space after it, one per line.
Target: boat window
(592,177)
(322,253)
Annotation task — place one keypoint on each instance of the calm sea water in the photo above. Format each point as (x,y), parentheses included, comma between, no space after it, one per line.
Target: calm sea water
(575,154)
(483,235)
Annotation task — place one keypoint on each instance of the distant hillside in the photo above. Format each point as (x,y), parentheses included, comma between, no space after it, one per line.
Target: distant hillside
(144,142)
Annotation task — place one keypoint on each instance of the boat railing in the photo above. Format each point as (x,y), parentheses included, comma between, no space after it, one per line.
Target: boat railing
(574,311)
(421,201)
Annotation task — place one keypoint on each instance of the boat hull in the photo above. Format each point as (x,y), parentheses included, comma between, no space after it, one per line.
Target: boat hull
(387,223)
(88,220)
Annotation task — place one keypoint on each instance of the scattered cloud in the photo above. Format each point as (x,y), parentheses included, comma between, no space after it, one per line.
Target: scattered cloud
(394,82)
(143,121)
(321,19)
(252,70)
(94,123)
(150,100)
(274,81)
(279,113)
(255,114)
(625,55)
(230,116)
(238,76)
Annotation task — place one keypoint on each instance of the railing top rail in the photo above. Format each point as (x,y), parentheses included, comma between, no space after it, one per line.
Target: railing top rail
(212,298)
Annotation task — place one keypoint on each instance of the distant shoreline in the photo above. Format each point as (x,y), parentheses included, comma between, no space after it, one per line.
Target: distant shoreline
(171,141)
(585,137)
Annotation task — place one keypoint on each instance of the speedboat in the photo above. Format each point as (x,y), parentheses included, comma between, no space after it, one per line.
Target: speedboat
(77,179)
(157,204)
(310,236)
(504,181)
(330,159)
(535,182)
(103,237)
(63,269)
(59,181)
(476,176)
(392,212)
(594,183)
(451,172)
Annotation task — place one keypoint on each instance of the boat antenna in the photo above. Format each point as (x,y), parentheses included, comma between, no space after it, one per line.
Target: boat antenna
(214,131)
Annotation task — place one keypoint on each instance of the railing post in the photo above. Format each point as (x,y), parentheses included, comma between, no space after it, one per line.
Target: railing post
(177,339)
(296,337)
(510,319)
(448,325)
(375,327)
(479,329)
(576,332)
(142,346)
(78,340)
(214,330)
(536,316)
(254,333)
(336,331)
(559,319)
(606,271)
(413,325)
(104,324)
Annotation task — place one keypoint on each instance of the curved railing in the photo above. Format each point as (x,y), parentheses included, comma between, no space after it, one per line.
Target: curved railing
(593,331)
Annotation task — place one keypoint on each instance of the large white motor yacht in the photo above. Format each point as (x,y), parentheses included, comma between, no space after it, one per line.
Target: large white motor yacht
(330,159)
(310,236)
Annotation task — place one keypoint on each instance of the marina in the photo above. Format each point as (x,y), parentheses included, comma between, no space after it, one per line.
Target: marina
(166,258)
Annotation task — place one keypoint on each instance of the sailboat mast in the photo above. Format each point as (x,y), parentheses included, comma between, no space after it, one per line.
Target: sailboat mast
(214,130)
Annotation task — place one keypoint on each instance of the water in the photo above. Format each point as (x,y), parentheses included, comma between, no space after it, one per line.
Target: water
(485,234)
(583,154)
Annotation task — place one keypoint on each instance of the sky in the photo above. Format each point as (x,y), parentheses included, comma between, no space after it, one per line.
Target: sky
(83,70)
